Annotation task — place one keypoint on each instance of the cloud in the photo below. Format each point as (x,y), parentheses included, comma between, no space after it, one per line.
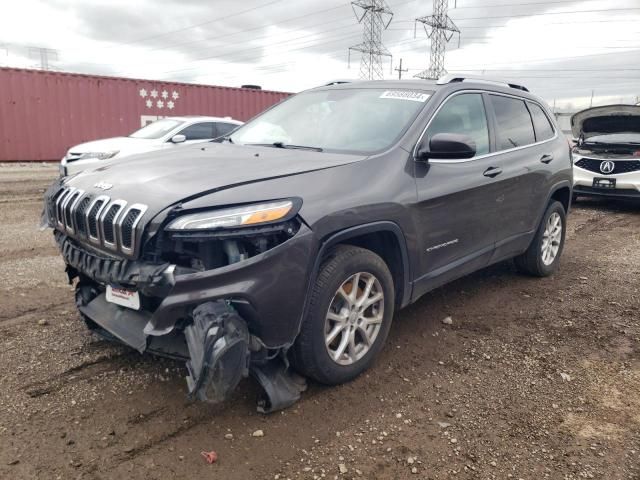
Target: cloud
(283,45)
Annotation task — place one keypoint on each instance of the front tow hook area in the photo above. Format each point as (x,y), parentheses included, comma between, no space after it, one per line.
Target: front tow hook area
(218,343)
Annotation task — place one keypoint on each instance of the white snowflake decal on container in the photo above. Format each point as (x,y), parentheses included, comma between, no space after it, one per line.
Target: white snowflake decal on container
(156,98)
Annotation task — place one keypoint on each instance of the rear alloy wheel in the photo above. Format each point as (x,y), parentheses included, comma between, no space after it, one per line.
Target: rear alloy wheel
(348,316)
(543,255)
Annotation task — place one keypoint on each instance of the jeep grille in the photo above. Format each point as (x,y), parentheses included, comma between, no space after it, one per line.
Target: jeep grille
(98,219)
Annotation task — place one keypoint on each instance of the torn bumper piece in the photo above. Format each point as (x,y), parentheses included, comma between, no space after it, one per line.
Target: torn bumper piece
(218,342)
(219,350)
(216,347)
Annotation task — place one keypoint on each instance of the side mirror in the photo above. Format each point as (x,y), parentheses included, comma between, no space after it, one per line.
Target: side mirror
(178,138)
(447,146)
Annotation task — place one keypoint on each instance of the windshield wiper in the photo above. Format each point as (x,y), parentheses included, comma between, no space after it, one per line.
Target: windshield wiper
(286,145)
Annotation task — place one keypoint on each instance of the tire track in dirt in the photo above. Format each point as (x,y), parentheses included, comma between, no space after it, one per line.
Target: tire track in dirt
(76,374)
(18,317)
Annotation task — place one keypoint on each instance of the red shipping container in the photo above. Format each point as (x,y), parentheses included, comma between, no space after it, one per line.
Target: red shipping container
(43,114)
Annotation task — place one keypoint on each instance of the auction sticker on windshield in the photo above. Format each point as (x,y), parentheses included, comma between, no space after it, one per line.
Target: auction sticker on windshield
(406,95)
(122,297)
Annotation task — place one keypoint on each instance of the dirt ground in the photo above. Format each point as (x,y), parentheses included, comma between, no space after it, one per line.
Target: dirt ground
(534,378)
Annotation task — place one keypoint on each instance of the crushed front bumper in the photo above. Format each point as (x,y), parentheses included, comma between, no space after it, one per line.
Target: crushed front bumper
(265,293)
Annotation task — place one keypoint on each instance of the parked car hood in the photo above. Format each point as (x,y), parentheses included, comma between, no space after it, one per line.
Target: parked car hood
(115,143)
(605,120)
(163,178)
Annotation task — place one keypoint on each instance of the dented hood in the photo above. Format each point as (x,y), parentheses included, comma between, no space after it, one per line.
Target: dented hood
(606,120)
(161,179)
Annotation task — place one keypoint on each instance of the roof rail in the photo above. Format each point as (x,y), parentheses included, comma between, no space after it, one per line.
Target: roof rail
(337,82)
(453,78)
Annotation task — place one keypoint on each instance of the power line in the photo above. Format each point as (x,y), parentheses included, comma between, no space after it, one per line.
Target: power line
(568,12)
(197,25)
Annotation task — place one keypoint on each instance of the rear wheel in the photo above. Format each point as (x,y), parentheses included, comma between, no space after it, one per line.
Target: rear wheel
(349,316)
(542,258)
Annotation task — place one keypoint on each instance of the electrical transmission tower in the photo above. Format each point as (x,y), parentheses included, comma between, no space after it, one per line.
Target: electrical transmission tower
(44,54)
(440,29)
(376,16)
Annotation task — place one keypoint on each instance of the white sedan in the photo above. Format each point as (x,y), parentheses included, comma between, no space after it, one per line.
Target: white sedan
(164,133)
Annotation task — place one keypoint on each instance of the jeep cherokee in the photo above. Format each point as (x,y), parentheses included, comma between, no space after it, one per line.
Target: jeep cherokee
(287,248)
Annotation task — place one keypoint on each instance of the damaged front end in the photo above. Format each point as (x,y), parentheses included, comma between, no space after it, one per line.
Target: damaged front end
(213,299)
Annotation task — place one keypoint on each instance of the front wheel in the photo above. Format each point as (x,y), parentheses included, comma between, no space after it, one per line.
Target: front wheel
(348,318)
(542,258)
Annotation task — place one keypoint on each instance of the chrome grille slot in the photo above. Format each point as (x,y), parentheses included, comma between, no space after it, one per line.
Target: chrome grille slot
(53,213)
(93,216)
(65,215)
(127,226)
(79,216)
(108,222)
(59,206)
(69,209)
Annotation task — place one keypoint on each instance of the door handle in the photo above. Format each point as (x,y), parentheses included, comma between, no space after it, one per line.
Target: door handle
(546,158)
(492,172)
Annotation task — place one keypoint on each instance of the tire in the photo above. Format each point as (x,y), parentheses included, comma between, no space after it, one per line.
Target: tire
(533,261)
(311,355)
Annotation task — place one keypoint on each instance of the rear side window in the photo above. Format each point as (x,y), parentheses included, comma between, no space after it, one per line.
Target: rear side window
(225,128)
(541,123)
(463,114)
(199,131)
(514,127)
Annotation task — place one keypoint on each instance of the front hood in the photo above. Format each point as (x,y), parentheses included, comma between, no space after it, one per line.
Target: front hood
(606,120)
(110,144)
(164,178)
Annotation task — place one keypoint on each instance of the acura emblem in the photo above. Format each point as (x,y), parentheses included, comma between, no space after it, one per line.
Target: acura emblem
(106,186)
(607,166)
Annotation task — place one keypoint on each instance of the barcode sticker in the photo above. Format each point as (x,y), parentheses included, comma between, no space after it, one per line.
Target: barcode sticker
(406,95)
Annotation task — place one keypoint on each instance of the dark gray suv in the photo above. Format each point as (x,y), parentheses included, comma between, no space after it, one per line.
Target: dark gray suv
(286,249)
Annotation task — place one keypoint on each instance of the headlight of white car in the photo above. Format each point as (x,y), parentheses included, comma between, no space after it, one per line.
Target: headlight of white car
(255,214)
(99,155)
(576,156)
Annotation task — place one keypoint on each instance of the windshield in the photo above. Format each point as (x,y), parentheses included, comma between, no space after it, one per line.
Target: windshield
(346,120)
(615,138)
(157,129)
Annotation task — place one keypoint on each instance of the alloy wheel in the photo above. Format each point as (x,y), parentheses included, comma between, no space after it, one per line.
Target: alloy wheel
(354,318)
(551,239)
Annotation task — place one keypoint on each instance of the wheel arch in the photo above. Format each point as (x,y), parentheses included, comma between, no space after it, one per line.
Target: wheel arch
(562,193)
(386,239)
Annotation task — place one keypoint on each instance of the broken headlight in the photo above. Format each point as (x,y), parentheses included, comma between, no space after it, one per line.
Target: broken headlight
(247,215)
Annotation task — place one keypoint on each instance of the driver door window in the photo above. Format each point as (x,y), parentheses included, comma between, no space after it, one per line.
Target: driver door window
(463,114)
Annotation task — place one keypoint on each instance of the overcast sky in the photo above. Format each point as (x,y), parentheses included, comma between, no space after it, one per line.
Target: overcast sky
(291,45)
